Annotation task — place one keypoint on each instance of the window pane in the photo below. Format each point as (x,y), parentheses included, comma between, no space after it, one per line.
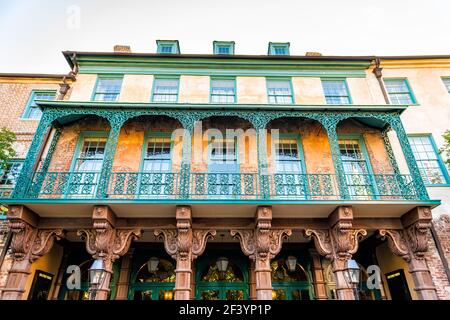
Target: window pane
(280,50)
(34,112)
(157,157)
(398,91)
(223,50)
(427,160)
(279,91)
(165,90)
(222,91)
(336,92)
(91,154)
(108,89)
(10,174)
(166,49)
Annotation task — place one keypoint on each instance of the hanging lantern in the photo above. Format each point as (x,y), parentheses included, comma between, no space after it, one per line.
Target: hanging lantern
(291,263)
(352,272)
(97,272)
(222,264)
(152,264)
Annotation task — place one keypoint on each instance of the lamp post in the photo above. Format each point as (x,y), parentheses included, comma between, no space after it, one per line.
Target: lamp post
(97,274)
(352,276)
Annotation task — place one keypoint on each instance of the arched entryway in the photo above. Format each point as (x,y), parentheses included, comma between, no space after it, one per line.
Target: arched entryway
(290,280)
(222,277)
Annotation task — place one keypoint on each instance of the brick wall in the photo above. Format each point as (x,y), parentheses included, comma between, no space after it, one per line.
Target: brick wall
(442,227)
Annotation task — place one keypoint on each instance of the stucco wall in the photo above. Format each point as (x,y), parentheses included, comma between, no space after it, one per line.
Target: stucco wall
(136,88)
(194,89)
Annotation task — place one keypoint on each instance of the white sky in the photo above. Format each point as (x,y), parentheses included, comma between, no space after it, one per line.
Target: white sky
(34,32)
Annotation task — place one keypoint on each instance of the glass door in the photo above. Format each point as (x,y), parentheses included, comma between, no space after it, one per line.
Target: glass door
(357,169)
(290,284)
(87,167)
(223,169)
(156,177)
(289,178)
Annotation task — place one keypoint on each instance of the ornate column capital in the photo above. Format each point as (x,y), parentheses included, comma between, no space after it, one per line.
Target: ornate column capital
(29,242)
(184,243)
(104,240)
(263,242)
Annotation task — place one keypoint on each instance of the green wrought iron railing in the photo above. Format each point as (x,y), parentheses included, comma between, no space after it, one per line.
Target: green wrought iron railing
(222,186)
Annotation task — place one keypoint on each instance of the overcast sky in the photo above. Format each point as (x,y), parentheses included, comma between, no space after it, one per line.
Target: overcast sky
(34,32)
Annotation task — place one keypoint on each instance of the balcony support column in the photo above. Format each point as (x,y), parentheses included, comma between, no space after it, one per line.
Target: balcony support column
(338,243)
(330,125)
(261,244)
(411,244)
(186,158)
(27,172)
(417,180)
(42,171)
(104,241)
(263,165)
(116,123)
(27,245)
(184,244)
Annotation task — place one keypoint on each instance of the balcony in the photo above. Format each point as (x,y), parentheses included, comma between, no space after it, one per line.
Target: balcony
(221,186)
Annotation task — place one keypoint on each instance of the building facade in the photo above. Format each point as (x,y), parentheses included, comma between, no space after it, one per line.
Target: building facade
(229,177)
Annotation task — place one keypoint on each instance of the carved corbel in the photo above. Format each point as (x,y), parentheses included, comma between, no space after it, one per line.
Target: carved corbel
(262,243)
(44,242)
(199,239)
(345,239)
(396,243)
(107,242)
(322,241)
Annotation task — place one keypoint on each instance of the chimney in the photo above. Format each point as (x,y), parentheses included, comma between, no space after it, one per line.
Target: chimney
(121,48)
(313,54)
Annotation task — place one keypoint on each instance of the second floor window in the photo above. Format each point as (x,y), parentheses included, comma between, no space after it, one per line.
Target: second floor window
(157,156)
(223,91)
(32,111)
(430,164)
(165,90)
(91,155)
(107,89)
(336,91)
(399,91)
(279,91)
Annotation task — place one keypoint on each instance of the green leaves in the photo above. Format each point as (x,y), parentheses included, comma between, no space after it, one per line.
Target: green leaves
(7,152)
(446,148)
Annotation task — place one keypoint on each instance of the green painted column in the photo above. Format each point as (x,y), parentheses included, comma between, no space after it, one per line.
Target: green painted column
(26,174)
(330,126)
(389,150)
(116,123)
(263,164)
(186,157)
(42,173)
(416,177)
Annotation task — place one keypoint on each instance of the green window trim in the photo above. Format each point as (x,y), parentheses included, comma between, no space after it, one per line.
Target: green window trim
(278,49)
(408,91)
(212,94)
(8,179)
(162,94)
(441,165)
(30,106)
(223,47)
(83,135)
(301,155)
(331,98)
(275,96)
(167,46)
(155,134)
(96,93)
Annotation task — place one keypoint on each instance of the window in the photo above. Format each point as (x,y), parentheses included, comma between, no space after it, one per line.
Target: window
(157,155)
(167,46)
(8,177)
(223,47)
(223,91)
(447,83)
(356,168)
(165,90)
(91,155)
(107,89)
(399,91)
(430,164)
(279,91)
(278,49)
(32,111)
(336,91)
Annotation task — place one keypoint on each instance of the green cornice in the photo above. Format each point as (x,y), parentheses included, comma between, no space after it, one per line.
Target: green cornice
(210,106)
(213,65)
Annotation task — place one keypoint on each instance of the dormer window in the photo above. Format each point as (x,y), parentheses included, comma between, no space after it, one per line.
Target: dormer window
(278,48)
(223,47)
(168,46)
